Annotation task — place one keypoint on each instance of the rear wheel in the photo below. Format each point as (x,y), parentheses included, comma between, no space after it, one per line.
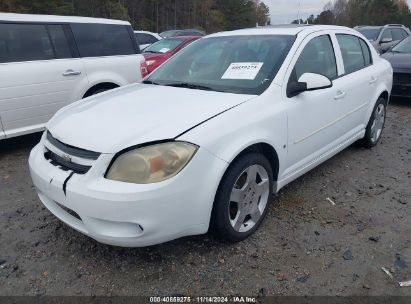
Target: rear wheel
(376,124)
(243,197)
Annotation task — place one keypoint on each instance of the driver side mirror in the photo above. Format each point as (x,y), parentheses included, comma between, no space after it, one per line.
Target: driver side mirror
(308,82)
(385,40)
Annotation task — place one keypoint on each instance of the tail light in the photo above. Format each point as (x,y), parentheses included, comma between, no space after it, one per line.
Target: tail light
(144,69)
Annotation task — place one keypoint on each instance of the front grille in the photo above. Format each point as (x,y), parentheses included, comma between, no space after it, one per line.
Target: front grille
(64,165)
(72,150)
(402,78)
(60,155)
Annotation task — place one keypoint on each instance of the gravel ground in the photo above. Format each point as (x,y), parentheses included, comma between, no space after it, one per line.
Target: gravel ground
(306,245)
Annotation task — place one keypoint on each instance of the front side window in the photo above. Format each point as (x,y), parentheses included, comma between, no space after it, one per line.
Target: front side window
(95,40)
(352,53)
(317,57)
(24,42)
(234,64)
(387,34)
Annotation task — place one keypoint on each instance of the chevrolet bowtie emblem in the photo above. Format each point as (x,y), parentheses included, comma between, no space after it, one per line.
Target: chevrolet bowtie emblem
(67,158)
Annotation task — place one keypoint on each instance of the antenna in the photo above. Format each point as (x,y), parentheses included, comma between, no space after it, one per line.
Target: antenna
(299,9)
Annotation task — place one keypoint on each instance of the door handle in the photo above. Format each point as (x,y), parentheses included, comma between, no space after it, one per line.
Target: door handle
(71,73)
(373,80)
(340,95)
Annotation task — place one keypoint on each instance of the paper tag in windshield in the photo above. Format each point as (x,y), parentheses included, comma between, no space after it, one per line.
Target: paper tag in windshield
(243,70)
(164,50)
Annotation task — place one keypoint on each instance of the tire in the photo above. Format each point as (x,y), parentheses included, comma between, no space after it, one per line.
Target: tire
(242,198)
(375,125)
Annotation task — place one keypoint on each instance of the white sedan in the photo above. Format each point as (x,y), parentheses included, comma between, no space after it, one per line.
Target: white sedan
(207,139)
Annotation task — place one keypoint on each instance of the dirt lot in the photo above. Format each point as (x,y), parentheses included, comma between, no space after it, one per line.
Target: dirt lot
(306,245)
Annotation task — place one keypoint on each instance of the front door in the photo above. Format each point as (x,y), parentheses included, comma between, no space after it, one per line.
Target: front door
(313,116)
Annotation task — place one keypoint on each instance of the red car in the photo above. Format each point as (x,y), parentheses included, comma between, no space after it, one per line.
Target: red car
(162,50)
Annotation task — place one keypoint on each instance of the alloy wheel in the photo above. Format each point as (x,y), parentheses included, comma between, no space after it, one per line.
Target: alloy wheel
(249,198)
(378,123)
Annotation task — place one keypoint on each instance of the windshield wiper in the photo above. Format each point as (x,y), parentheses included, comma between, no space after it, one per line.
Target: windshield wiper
(191,86)
(150,82)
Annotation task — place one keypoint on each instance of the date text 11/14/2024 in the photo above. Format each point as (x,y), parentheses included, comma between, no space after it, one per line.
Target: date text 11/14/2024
(203,299)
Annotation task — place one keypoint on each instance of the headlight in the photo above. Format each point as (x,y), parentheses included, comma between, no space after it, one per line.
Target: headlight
(151,164)
(150,62)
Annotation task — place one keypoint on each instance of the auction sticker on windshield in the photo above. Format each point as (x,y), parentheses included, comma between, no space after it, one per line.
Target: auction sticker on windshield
(243,70)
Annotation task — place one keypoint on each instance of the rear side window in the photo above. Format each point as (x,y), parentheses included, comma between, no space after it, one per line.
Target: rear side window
(59,41)
(396,34)
(95,40)
(404,34)
(352,53)
(366,52)
(317,57)
(143,38)
(24,42)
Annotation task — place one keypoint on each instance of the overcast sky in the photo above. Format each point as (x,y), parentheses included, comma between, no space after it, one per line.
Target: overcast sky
(285,11)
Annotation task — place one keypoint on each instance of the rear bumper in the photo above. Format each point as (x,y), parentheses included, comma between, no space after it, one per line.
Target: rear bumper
(129,215)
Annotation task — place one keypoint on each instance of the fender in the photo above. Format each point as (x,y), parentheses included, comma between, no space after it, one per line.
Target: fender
(257,127)
(383,85)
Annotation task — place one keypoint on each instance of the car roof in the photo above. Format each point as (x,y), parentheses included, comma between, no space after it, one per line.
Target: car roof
(145,32)
(183,38)
(286,29)
(368,27)
(10,17)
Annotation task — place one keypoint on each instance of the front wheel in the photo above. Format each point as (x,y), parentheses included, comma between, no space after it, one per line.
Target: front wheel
(242,198)
(376,124)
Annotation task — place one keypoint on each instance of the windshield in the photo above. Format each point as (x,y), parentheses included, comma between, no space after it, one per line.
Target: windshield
(403,47)
(234,64)
(163,46)
(370,34)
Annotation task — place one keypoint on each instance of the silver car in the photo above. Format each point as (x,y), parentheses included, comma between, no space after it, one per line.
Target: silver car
(384,37)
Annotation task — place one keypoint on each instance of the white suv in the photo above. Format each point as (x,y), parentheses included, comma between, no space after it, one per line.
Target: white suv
(209,136)
(47,62)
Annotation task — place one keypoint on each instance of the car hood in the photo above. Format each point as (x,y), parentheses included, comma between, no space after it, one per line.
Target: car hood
(400,62)
(136,114)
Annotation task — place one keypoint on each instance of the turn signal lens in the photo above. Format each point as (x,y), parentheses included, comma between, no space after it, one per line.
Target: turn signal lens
(152,164)
(150,62)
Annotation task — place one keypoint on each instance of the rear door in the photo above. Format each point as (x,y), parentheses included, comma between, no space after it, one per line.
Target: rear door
(357,82)
(38,75)
(109,53)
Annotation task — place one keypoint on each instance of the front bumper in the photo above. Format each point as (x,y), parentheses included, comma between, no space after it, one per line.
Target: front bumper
(401,90)
(129,215)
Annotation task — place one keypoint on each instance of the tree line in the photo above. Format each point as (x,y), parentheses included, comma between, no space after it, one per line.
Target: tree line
(154,15)
(362,12)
